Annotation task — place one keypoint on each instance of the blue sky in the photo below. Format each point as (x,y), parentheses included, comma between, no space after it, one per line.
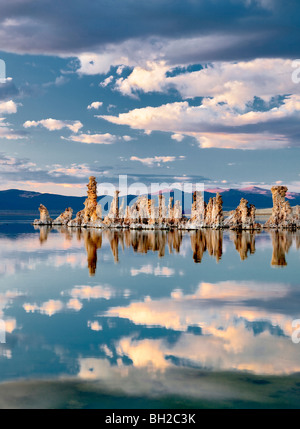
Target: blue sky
(161,91)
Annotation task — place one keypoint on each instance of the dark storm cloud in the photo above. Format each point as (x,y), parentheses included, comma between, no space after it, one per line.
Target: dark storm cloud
(248,28)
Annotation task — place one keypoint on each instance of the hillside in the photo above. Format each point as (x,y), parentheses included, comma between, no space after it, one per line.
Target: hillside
(15,200)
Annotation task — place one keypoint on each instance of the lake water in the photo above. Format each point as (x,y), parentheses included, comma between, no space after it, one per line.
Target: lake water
(112,319)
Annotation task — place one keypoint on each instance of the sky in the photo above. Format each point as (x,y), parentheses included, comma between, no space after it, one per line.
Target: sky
(162,91)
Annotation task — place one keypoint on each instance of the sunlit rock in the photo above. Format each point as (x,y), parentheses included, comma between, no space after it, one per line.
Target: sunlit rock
(243,217)
(153,211)
(45,218)
(77,222)
(214,217)
(64,218)
(143,214)
(282,214)
(127,217)
(91,208)
(91,215)
(114,207)
(162,211)
(296,216)
(198,211)
(177,211)
(113,219)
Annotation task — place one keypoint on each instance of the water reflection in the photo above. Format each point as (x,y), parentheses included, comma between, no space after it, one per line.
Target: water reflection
(206,240)
(201,241)
(281,246)
(92,242)
(158,315)
(244,242)
(44,232)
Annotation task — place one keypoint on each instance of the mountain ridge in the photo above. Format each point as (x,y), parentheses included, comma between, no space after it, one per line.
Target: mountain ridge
(13,200)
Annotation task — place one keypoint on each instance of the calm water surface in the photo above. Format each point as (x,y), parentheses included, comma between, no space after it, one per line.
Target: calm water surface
(111,319)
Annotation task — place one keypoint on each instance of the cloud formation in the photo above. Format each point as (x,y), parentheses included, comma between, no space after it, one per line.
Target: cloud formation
(8,107)
(233,83)
(158,160)
(206,74)
(9,133)
(92,138)
(243,28)
(55,124)
(95,105)
(243,105)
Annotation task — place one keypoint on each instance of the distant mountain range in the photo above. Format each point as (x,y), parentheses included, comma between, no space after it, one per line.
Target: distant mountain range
(16,200)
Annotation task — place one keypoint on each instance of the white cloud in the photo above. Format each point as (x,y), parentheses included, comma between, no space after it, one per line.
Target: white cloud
(92,138)
(154,160)
(147,79)
(120,69)
(142,53)
(79,170)
(9,164)
(177,137)
(234,83)
(106,81)
(241,140)
(185,118)
(95,105)
(8,107)
(200,122)
(55,124)
(228,90)
(8,133)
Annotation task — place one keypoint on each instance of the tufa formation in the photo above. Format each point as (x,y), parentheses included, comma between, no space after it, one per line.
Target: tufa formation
(144,214)
(243,217)
(282,214)
(45,219)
